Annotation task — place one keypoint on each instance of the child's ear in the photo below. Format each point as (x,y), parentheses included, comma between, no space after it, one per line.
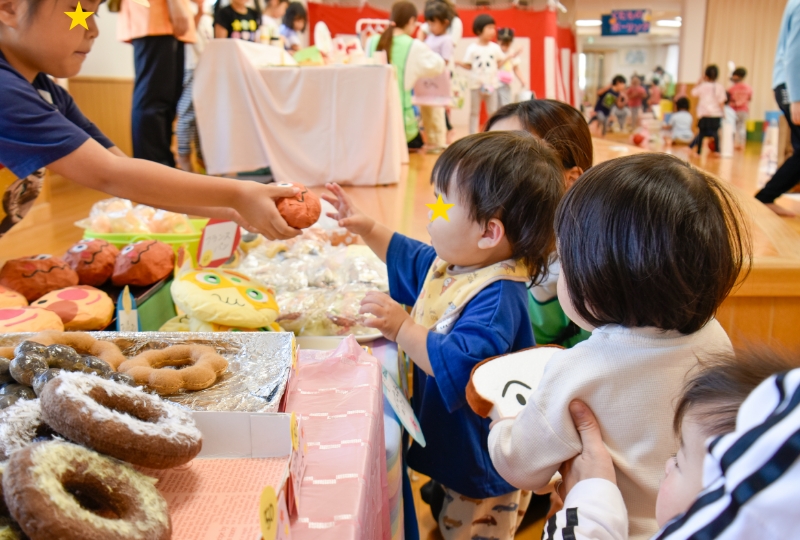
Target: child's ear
(9,13)
(493,234)
(571,175)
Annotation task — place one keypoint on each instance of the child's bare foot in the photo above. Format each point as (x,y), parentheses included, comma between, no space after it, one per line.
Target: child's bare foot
(781,211)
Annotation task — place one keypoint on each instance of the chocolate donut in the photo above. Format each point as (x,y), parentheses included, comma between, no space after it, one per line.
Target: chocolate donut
(58,490)
(20,425)
(84,344)
(123,422)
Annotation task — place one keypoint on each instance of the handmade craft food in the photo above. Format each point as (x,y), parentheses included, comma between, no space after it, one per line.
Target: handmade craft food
(34,364)
(143,263)
(21,425)
(92,260)
(201,365)
(36,276)
(56,489)
(80,307)
(28,319)
(83,344)
(120,421)
(302,210)
(11,299)
(121,216)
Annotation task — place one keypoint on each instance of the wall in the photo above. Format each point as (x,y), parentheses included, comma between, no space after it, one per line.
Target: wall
(109,57)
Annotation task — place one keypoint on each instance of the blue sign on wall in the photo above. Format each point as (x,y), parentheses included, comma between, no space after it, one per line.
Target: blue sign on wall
(626,22)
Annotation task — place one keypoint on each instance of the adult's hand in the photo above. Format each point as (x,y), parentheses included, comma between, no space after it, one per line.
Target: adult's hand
(594,461)
(180,17)
(796,113)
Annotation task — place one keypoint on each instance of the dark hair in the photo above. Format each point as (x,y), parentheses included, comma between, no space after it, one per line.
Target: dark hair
(715,393)
(505,35)
(514,177)
(438,11)
(712,72)
(402,13)
(618,79)
(562,126)
(683,104)
(740,72)
(294,11)
(648,240)
(481,21)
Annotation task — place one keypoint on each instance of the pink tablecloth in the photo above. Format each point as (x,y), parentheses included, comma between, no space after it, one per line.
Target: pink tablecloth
(339,396)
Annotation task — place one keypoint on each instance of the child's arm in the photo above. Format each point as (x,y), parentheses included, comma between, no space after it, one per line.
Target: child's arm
(220,32)
(375,235)
(179,16)
(604,89)
(156,185)
(518,73)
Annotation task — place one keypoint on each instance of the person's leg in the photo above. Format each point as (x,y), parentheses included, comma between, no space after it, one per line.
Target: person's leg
(702,131)
(741,128)
(185,126)
(158,63)
(713,127)
(491,103)
(635,117)
(788,175)
(503,95)
(474,110)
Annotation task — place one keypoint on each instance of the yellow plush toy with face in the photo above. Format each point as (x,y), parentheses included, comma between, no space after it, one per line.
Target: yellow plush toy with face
(224,297)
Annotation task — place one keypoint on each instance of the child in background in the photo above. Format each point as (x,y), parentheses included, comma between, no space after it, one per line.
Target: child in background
(412,60)
(679,127)
(649,249)
(438,16)
(565,129)
(295,20)
(509,68)
(654,98)
(710,104)
(42,127)
(620,111)
(470,303)
(237,21)
(272,19)
(636,96)
(606,99)
(483,59)
(741,93)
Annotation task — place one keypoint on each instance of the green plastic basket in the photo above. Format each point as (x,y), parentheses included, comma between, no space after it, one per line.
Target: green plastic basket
(190,240)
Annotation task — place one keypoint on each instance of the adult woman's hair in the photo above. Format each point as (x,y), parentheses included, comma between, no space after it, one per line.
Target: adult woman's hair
(557,123)
(402,14)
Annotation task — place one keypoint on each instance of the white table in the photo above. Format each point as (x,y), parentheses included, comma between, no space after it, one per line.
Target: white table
(312,125)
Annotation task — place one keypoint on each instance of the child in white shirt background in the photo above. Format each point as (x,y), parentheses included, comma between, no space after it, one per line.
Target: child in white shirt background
(678,129)
(649,249)
(483,60)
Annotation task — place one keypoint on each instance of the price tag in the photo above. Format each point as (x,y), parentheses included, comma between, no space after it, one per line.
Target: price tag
(268,514)
(218,243)
(401,407)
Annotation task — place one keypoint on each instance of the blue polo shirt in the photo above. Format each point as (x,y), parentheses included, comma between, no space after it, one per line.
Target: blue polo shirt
(494,322)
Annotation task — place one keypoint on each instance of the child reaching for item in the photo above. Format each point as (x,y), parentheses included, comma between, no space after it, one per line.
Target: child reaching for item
(649,249)
(711,100)
(470,303)
(42,127)
(295,20)
(483,60)
(509,68)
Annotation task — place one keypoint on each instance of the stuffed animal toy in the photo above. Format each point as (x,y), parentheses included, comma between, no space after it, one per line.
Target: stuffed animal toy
(80,307)
(500,387)
(33,277)
(29,319)
(225,298)
(143,263)
(93,260)
(302,210)
(11,299)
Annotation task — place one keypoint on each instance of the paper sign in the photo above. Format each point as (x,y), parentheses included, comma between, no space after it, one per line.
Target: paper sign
(218,243)
(401,407)
(127,314)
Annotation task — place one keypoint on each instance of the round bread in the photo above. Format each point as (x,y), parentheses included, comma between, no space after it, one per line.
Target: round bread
(28,319)
(11,299)
(93,260)
(302,210)
(143,263)
(80,307)
(123,422)
(149,368)
(58,490)
(35,276)
(83,344)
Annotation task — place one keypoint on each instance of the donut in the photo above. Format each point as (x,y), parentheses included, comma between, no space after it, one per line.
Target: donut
(84,344)
(204,365)
(120,421)
(33,361)
(302,210)
(61,490)
(21,425)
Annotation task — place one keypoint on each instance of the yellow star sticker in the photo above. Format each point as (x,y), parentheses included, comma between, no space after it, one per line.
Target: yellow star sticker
(440,209)
(78,17)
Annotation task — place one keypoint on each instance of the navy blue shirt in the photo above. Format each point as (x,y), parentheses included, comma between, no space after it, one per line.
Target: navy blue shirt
(494,322)
(39,122)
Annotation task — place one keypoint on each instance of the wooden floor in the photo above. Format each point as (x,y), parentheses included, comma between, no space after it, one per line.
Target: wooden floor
(402,208)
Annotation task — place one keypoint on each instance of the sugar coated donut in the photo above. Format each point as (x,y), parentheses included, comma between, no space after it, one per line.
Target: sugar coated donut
(58,490)
(204,365)
(84,344)
(123,422)
(20,425)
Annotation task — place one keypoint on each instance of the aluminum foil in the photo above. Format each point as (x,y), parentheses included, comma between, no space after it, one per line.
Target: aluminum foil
(258,365)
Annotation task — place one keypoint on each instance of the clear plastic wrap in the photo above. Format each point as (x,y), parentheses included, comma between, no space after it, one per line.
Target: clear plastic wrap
(121,216)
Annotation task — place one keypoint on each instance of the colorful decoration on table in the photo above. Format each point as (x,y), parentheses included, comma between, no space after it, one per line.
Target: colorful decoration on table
(83,344)
(28,319)
(302,210)
(143,263)
(198,366)
(218,243)
(92,260)
(11,299)
(500,387)
(33,277)
(224,297)
(80,307)
(127,312)
(78,17)
(440,208)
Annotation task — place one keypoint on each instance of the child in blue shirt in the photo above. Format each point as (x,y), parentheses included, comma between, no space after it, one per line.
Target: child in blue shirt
(491,233)
(40,126)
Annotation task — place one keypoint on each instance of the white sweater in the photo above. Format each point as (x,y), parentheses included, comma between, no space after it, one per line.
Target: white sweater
(630,378)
